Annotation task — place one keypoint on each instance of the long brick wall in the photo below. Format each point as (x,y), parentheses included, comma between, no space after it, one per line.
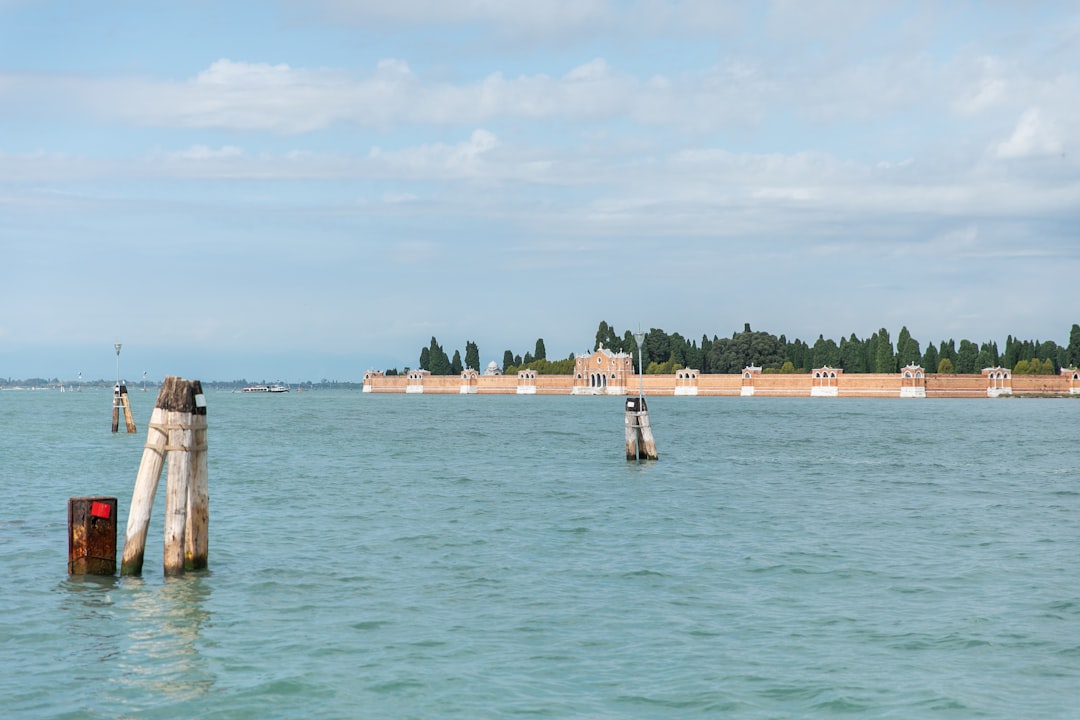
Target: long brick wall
(760,384)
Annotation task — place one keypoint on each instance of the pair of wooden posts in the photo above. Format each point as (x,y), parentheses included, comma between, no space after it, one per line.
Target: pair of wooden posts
(121,400)
(177,433)
(640,444)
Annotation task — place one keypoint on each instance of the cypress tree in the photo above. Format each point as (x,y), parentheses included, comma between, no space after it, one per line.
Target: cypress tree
(930,358)
(1072,357)
(885,361)
(472,355)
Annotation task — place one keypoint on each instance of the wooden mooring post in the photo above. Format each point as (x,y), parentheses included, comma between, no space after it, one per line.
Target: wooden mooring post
(121,400)
(177,431)
(640,444)
(92,536)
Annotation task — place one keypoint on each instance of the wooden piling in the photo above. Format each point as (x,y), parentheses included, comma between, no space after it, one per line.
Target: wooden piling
(92,536)
(178,430)
(121,400)
(196,538)
(640,444)
(181,440)
(142,498)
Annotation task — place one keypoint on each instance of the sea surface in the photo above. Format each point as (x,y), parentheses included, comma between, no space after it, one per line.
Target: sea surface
(400,556)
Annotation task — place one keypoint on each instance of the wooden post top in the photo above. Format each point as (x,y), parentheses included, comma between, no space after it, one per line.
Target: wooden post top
(179,395)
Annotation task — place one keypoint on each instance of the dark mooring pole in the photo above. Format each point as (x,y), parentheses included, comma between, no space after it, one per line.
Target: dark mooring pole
(640,444)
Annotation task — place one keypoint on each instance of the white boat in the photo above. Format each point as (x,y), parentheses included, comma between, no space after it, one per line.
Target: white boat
(266,389)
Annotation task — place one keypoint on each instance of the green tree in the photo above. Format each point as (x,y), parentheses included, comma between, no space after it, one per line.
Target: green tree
(657,347)
(947,351)
(606,337)
(798,353)
(1072,356)
(1012,352)
(472,355)
(731,355)
(438,360)
(967,357)
(852,355)
(988,356)
(907,349)
(508,361)
(425,359)
(930,358)
(826,353)
(945,366)
(679,349)
(455,364)
(554,367)
(541,352)
(885,360)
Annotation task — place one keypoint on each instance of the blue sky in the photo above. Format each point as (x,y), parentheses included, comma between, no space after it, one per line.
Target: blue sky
(299,191)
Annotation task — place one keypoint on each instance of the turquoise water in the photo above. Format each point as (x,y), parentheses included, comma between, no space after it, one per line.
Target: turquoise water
(493,557)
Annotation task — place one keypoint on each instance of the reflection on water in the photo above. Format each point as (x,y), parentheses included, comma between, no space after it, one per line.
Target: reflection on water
(162,653)
(89,607)
(147,634)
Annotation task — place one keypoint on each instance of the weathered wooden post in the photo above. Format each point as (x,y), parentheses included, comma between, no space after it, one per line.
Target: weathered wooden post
(640,444)
(121,400)
(639,438)
(92,536)
(178,428)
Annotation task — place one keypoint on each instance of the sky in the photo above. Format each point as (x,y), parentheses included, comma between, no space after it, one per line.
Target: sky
(298,191)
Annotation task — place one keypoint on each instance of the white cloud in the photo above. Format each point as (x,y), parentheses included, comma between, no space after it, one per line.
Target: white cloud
(982,85)
(1035,135)
(202,152)
(508,17)
(438,160)
(398,198)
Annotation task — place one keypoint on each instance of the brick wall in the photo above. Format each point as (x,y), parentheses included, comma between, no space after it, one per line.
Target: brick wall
(765,384)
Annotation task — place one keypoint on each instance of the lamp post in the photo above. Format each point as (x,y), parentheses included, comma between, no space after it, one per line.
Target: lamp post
(117,346)
(639,336)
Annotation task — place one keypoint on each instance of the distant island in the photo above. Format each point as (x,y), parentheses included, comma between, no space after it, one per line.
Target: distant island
(664,354)
(753,363)
(72,385)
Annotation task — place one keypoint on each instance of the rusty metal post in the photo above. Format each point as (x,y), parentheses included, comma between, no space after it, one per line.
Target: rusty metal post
(92,536)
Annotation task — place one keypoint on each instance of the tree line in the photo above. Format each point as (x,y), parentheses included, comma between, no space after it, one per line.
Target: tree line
(663,353)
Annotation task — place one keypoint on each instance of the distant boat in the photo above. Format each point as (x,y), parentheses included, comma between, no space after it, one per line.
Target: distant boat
(266,389)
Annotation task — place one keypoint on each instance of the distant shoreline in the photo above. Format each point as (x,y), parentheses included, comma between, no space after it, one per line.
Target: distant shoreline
(607,373)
